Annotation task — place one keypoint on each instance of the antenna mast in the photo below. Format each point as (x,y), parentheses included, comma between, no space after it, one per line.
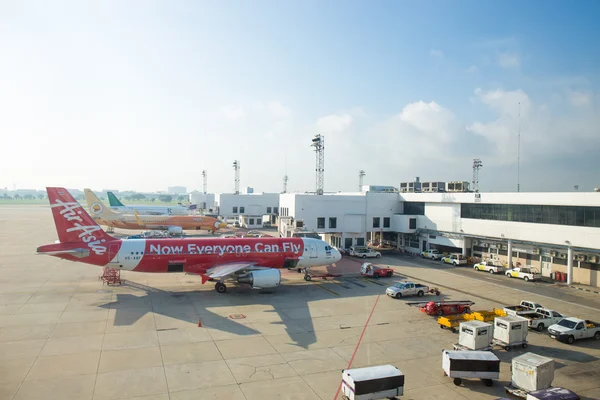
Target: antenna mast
(519,153)
(318,143)
(204,181)
(361,176)
(476,165)
(236,167)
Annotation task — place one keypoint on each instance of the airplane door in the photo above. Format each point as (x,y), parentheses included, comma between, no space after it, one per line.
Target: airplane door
(113,253)
(313,250)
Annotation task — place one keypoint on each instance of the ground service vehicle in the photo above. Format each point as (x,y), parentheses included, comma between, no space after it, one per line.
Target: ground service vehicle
(542,318)
(402,289)
(356,250)
(525,307)
(374,271)
(483,365)
(432,254)
(455,259)
(571,329)
(493,267)
(525,273)
(367,253)
(444,307)
(378,382)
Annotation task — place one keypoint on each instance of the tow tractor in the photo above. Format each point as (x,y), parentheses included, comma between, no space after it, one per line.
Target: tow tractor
(443,307)
(374,271)
(308,276)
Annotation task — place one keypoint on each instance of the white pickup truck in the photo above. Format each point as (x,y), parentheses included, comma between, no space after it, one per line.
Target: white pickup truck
(432,254)
(364,252)
(493,267)
(542,318)
(525,273)
(402,289)
(571,329)
(525,307)
(454,259)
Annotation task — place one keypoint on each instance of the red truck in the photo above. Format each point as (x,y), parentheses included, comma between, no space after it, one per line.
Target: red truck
(374,271)
(444,307)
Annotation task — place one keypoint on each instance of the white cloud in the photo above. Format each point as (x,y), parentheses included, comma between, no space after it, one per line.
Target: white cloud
(431,119)
(233,112)
(274,108)
(334,123)
(508,60)
(435,53)
(579,99)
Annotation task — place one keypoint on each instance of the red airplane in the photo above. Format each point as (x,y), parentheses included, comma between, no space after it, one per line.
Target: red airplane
(254,261)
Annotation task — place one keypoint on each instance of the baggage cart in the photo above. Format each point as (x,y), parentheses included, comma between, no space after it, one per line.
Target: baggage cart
(378,382)
(474,335)
(510,331)
(483,365)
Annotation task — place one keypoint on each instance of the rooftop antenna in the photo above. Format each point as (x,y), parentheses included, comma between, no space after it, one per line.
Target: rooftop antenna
(361,176)
(519,153)
(318,143)
(236,167)
(477,164)
(204,181)
(285,176)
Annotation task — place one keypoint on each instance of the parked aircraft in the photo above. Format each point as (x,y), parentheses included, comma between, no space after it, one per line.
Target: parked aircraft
(255,261)
(115,204)
(173,223)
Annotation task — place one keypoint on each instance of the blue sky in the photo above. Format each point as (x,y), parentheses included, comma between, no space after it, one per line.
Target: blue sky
(163,90)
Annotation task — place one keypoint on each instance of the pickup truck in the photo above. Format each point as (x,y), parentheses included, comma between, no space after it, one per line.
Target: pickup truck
(525,307)
(406,288)
(364,252)
(572,329)
(493,267)
(368,269)
(527,274)
(432,254)
(454,259)
(542,318)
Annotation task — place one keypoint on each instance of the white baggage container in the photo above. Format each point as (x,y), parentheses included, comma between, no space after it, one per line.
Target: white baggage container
(532,372)
(371,383)
(482,365)
(510,331)
(475,335)
(554,393)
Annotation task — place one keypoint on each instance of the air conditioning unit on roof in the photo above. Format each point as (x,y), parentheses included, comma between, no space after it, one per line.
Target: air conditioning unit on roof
(485,245)
(553,254)
(581,257)
(593,259)
(536,250)
(562,256)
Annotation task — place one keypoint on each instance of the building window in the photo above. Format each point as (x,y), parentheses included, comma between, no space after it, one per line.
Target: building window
(386,222)
(376,222)
(251,221)
(333,222)
(321,223)
(235,210)
(360,241)
(268,210)
(536,214)
(274,210)
(414,208)
(241,210)
(412,224)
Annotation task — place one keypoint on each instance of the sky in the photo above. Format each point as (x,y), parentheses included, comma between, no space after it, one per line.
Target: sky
(142,95)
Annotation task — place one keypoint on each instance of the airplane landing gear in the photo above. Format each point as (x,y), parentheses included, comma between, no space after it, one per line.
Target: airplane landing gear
(220,287)
(307,276)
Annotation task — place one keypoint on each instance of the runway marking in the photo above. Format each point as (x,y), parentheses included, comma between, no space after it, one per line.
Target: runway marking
(340,283)
(353,281)
(498,285)
(358,344)
(320,285)
(373,282)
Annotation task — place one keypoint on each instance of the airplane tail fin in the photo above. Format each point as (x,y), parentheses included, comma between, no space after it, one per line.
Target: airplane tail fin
(73,223)
(113,201)
(96,207)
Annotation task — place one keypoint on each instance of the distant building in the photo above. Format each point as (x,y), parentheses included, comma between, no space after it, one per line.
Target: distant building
(177,190)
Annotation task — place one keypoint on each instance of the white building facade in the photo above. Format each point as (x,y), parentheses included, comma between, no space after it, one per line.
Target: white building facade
(250,209)
(552,232)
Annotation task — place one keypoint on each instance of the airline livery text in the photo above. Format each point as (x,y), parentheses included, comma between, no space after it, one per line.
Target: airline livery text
(191,248)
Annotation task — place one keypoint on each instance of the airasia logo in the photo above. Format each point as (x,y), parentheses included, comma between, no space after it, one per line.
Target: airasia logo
(86,231)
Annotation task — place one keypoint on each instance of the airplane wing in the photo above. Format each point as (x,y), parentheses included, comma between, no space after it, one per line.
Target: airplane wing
(224,270)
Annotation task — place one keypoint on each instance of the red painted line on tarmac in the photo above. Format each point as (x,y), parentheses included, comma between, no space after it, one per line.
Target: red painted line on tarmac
(358,344)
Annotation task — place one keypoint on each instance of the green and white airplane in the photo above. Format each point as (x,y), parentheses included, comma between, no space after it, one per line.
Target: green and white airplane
(115,204)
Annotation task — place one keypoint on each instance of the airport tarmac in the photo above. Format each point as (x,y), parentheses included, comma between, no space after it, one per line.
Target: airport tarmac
(65,335)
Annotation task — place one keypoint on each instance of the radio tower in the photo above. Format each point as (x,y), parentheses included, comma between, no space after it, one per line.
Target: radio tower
(236,167)
(204,181)
(476,165)
(318,143)
(361,176)
(285,181)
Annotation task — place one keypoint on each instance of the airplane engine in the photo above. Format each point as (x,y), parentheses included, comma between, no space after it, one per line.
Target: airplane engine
(264,279)
(175,230)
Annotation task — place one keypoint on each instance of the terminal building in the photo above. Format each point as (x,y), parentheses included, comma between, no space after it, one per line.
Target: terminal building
(250,210)
(552,232)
